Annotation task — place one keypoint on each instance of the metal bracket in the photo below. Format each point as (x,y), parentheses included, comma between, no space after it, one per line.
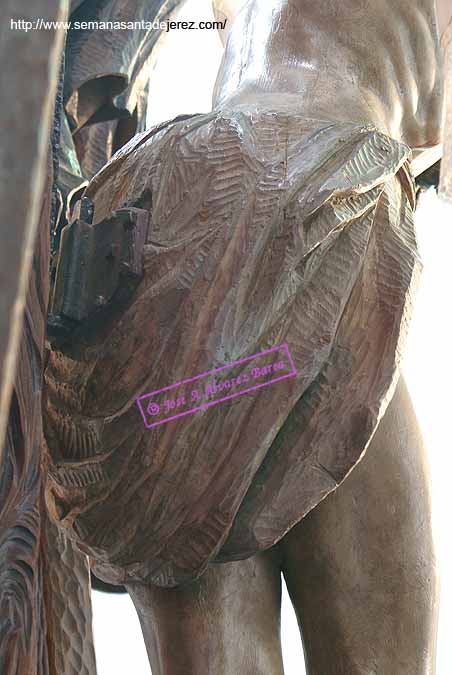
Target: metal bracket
(95,262)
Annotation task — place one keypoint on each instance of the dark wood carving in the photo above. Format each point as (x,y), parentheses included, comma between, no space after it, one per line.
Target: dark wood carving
(106,73)
(42,631)
(23,646)
(312,281)
(29,78)
(70,645)
(45,615)
(25,119)
(285,216)
(45,606)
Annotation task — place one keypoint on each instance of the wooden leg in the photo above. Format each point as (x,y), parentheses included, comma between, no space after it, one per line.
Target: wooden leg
(361,568)
(225,623)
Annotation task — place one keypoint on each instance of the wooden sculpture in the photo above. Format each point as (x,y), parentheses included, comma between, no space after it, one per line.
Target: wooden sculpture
(282,218)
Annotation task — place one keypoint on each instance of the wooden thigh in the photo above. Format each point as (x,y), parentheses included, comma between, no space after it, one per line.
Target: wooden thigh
(227,622)
(361,568)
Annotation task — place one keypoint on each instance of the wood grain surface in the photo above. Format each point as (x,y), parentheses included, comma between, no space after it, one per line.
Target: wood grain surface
(266,228)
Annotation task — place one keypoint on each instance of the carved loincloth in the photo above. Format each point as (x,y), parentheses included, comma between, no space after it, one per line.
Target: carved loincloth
(265,229)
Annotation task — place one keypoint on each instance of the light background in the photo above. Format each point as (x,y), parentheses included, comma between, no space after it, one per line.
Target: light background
(182,81)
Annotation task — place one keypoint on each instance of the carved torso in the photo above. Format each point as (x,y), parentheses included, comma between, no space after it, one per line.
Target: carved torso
(357,60)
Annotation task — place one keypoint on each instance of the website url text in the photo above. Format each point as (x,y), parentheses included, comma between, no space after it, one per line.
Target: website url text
(42,24)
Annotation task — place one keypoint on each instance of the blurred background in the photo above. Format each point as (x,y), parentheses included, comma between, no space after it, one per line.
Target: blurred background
(184,71)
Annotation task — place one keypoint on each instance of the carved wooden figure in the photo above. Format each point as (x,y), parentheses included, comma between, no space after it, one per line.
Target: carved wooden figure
(284,216)
(45,611)
(40,570)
